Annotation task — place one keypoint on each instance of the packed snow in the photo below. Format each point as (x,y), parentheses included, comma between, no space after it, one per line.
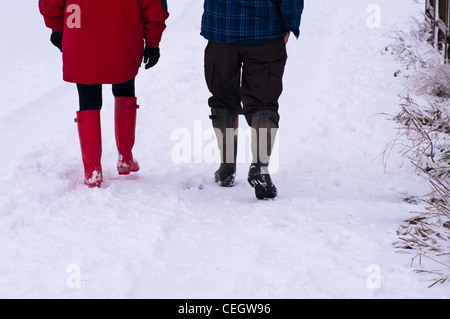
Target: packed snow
(169,231)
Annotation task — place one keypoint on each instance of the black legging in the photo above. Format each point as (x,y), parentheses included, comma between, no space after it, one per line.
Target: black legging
(91,95)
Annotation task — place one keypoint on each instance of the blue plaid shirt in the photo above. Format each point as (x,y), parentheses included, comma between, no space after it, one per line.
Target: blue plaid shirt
(231,21)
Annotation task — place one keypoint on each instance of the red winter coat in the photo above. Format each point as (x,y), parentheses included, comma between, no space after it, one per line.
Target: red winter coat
(103,40)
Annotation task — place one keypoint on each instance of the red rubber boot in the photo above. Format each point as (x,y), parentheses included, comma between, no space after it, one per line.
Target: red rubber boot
(125,126)
(89,132)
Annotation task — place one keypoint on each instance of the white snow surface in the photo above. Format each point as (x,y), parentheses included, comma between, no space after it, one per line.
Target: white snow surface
(169,231)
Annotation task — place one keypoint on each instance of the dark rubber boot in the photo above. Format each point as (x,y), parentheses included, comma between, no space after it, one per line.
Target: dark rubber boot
(262,183)
(264,129)
(225,126)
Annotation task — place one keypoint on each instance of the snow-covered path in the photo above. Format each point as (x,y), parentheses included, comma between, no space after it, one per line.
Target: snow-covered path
(170,231)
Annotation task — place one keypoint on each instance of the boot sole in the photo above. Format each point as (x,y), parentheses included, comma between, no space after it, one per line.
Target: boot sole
(228,182)
(127,172)
(124,169)
(262,191)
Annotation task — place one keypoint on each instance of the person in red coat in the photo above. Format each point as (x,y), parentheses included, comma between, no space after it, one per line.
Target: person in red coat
(105,42)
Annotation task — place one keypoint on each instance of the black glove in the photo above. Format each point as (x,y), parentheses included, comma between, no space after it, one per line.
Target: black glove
(151,56)
(56,39)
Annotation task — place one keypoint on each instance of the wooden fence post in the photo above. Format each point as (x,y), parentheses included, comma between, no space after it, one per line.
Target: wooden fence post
(438,11)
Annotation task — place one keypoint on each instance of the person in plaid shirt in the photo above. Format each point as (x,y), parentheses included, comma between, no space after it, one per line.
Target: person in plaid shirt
(244,64)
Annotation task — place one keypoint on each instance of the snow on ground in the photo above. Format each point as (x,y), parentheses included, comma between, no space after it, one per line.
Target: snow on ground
(169,231)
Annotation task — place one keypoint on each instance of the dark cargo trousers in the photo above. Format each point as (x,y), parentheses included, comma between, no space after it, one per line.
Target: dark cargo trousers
(248,74)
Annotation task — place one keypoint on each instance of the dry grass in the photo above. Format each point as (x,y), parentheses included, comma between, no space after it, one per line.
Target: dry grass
(426,130)
(423,70)
(424,137)
(427,235)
